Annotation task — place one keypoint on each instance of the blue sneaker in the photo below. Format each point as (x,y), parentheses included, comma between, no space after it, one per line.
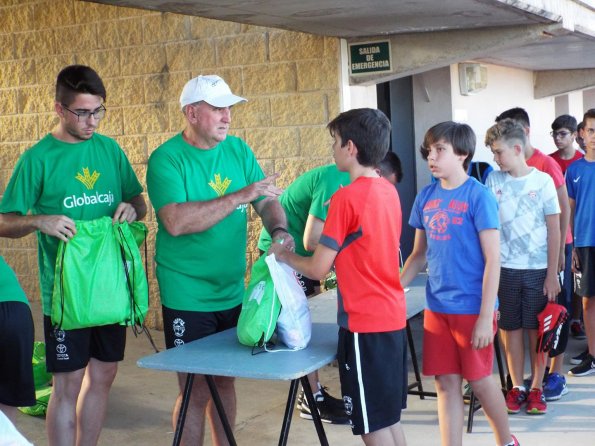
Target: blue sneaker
(555,387)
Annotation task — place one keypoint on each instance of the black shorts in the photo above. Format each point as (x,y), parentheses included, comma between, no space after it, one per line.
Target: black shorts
(70,350)
(17,387)
(586,285)
(181,326)
(521,298)
(308,285)
(565,298)
(373,373)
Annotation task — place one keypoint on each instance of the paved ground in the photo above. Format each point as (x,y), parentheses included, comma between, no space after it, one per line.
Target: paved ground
(141,401)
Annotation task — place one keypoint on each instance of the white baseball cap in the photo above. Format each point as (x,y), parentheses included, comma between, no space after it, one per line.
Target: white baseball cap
(211,89)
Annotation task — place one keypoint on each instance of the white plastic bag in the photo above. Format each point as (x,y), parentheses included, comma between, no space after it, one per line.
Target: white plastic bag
(294,326)
(9,436)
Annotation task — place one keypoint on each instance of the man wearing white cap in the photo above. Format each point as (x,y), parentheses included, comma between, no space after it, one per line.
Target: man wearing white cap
(200,183)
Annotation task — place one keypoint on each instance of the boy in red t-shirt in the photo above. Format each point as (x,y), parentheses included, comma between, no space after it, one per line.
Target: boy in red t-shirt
(361,237)
(563,132)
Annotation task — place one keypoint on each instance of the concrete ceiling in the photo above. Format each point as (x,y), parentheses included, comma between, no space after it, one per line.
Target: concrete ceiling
(568,36)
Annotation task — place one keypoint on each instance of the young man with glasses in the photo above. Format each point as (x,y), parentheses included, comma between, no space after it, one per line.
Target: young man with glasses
(563,132)
(61,179)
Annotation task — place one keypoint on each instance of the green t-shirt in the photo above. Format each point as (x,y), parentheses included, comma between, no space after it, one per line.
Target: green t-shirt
(83,181)
(203,271)
(10,290)
(307,195)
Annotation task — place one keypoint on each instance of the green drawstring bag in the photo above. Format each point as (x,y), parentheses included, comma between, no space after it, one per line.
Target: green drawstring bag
(260,307)
(99,277)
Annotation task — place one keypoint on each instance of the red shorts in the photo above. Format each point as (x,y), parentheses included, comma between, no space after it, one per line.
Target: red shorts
(447,347)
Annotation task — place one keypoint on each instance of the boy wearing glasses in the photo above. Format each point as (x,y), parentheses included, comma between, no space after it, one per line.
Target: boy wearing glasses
(564,130)
(73,174)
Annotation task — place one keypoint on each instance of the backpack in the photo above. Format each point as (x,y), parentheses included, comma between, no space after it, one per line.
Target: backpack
(260,307)
(99,277)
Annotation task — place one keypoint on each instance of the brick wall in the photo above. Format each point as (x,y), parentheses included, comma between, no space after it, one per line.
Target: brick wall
(144,58)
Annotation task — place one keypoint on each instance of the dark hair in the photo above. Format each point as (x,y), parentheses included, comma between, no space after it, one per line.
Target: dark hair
(506,130)
(368,129)
(518,114)
(76,79)
(564,122)
(589,114)
(580,126)
(459,136)
(391,164)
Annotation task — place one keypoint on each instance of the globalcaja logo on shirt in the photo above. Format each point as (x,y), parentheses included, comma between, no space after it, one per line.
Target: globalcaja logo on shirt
(88,180)
(220,187)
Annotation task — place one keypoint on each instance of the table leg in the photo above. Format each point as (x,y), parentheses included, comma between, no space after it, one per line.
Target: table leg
(220,410)
(183,409)
(314,411)
(288,412)
(420,388)
(473,399)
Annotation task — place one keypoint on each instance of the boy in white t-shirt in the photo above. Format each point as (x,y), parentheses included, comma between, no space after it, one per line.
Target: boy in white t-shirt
(530,237)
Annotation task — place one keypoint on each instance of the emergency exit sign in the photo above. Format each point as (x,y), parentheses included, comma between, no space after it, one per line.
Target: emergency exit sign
(369,57)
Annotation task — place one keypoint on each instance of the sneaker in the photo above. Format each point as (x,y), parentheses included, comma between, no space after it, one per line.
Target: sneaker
(584,368)
(515,398)
(536,404)
(301,398)
(555,387)
(515,442)
(577,331)
(576,360)
(331,410)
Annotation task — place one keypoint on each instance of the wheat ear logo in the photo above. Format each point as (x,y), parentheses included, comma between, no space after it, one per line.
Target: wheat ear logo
(220,186)
(87,179)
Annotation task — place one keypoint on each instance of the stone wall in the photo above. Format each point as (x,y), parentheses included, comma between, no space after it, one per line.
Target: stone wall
(144,58)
